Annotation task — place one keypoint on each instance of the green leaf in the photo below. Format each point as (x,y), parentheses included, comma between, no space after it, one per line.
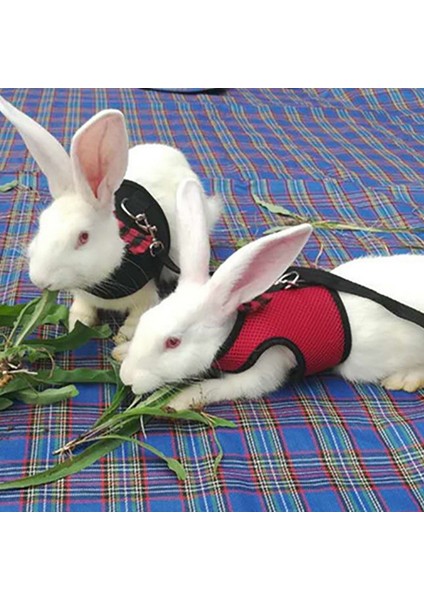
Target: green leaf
(110,419)
(19,382)
(82,375)
(30,353)
(188,415)
(42,308)
(172,463)
(59,313)
(215,421)
(5,403)
(80,335)
(26,309)
(160,397)
(37,353)
(240,243)
(277,210)
(116,402)
(10,185)
(219,456)
(116,366)
(74,464)
(9,314)
(50,396)
(274,229)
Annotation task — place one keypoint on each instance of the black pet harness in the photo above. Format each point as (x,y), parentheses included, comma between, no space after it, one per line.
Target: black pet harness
(144,228)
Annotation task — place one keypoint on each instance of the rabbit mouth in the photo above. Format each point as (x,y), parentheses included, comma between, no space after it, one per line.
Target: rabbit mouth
(61,280)
(141,382)
(145,387)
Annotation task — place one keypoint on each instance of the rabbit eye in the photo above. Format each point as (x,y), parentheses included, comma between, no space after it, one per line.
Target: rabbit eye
(83,238)
(172,342)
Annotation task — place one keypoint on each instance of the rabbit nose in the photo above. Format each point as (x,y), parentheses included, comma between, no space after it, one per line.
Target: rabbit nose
(39,277)
(40,282)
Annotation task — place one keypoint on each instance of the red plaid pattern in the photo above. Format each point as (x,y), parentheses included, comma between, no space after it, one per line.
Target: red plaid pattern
(136,240)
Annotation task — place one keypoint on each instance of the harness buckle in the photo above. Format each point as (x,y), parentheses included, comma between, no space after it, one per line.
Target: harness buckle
(288,280)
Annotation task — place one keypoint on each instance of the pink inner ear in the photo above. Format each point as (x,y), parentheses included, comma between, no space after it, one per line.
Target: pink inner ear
(99,155)
(254,268)
(94,159)
(261,264)
(95,178)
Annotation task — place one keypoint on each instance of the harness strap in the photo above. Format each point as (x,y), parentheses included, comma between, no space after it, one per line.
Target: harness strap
(145,231)
(160,247)
(169,263)
(335,282)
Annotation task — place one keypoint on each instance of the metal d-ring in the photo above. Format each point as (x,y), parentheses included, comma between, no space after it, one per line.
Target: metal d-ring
(156,248)
(290,279)
(140,220)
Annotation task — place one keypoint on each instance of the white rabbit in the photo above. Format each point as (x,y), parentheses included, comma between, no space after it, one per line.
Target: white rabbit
(78,244)
(179,339)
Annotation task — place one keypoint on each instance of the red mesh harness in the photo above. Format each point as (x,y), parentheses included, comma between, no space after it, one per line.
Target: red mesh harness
(311,321)
(305,315)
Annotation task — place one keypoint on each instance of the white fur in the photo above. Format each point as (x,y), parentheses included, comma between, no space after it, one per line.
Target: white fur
(202,312)
(384,347)
(383,344)
(83,186)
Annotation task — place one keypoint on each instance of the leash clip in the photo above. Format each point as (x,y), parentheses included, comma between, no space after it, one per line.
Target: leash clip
(289,280)
(156,247)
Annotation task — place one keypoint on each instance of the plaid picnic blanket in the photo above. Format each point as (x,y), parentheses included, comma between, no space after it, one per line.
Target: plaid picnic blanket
(348,156)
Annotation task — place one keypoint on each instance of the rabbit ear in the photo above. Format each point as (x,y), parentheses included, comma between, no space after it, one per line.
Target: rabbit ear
(50,156)
(193,236)
(254,268)
(99,154)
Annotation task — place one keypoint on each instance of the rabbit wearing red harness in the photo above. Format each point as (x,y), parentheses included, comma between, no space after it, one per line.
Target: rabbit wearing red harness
(195,332)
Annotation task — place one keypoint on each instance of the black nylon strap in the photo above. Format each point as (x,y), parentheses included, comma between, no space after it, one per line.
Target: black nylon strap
(136,270)
(335,282)
(143,202)
(169,263)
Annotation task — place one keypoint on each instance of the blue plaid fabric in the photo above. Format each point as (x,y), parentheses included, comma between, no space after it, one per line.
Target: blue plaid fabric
(347,156)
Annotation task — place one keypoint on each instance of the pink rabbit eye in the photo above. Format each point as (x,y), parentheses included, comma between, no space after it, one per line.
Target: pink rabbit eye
(83,238)
(172,342)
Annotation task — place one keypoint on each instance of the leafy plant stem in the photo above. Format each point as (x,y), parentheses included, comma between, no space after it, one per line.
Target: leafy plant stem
(18,322)
(43,304)
(172,463)
(74,464)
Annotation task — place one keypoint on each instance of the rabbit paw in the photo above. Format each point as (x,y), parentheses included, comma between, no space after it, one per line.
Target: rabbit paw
(188,398)
(126,332)
(409,381)
(120,352)
(121,337)
(85,314)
